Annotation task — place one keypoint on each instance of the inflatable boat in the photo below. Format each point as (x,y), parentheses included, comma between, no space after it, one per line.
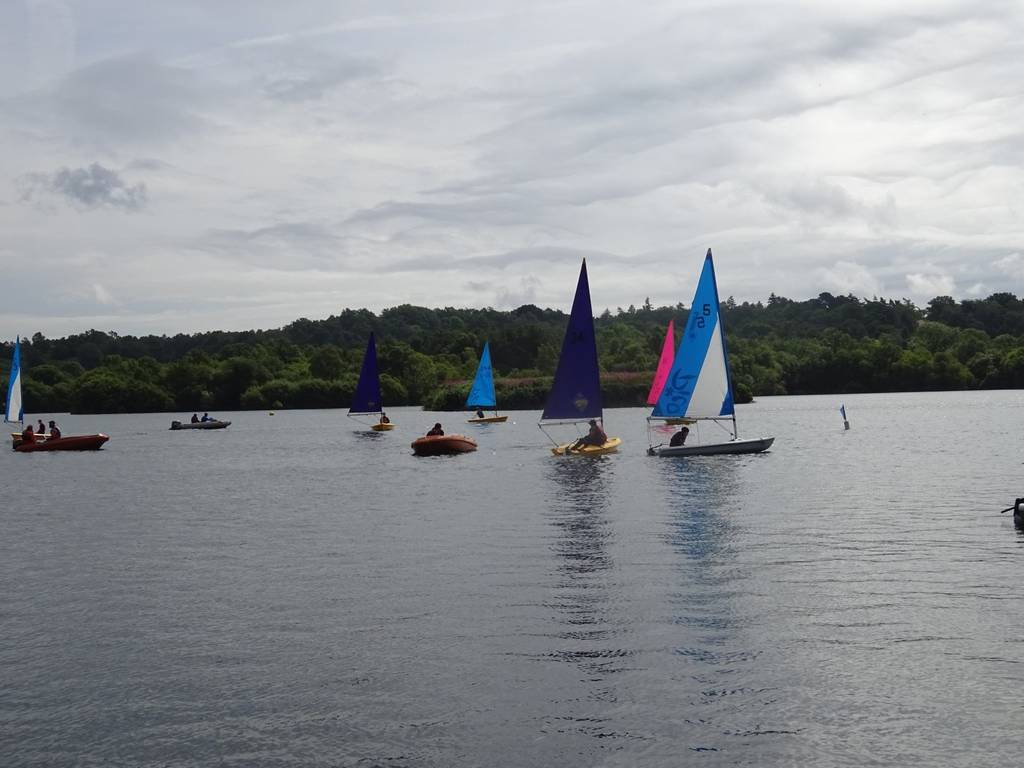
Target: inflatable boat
(441,445)
(68,443)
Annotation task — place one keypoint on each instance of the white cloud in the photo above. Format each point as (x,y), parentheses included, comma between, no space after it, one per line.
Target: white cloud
(845,277)
(922,286)
(290,159)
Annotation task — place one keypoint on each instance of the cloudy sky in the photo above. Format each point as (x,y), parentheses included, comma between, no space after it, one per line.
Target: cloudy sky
(205,164)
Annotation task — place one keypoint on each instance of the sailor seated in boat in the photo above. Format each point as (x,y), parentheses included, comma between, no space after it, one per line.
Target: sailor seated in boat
(480,413)
(54,430)
(436,431)
(41,429)
(384,418)
(206,417)
(28,435)
(596,436)
(195,419)
(679,437)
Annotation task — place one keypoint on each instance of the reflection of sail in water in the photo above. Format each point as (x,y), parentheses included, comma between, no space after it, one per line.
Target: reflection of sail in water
(579,512)
(715,604)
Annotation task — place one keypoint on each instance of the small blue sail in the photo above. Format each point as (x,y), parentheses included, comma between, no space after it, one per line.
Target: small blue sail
(15,410)
(367,398)
(699,385)
(481,395)
(576,390)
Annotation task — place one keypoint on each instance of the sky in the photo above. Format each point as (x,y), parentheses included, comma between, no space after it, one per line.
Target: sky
(198,165)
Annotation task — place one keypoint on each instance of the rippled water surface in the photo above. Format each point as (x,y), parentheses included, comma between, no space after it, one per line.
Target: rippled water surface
(294,592)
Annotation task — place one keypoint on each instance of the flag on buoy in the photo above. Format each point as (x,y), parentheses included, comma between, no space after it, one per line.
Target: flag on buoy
(842,410)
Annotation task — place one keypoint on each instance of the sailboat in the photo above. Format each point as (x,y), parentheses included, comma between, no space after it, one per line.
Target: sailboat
(668,354)
(14,413)
(699,385)
(367,400)
(481,394)
(575,395)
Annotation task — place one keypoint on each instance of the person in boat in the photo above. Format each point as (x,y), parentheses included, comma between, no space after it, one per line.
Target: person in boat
(28,435)
(436,431)
(54,430)
(41,429)
(480,413)
(195,419)
(679,438)
(206,417)
(384,418)
(596,436)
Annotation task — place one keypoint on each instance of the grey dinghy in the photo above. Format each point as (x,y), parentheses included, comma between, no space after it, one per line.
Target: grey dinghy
(199,425)
(749,445)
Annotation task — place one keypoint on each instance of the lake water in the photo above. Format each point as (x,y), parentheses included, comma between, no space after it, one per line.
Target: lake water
(293,592)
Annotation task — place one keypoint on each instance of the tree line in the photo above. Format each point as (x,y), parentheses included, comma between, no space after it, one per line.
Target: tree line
(829,344)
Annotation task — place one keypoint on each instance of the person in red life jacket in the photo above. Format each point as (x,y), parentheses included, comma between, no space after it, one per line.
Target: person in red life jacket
(27,435)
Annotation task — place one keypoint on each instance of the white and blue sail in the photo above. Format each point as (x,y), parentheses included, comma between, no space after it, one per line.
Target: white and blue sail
(698,384)
(481,394)
(15,410)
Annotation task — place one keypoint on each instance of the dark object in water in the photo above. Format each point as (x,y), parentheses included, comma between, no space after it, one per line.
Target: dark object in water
(1018,512)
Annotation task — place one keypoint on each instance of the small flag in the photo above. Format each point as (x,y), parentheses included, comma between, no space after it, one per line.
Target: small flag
(842,410)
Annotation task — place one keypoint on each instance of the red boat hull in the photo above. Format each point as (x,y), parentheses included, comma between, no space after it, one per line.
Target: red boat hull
(442,445)
(69,443)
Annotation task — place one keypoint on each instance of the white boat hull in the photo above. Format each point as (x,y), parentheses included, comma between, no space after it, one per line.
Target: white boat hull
(752,445)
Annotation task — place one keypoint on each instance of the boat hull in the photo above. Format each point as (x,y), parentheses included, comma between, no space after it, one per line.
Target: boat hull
(382,427)
(178,425)
(69,443)
(443,445)
(488,420)
(610,446)
(754,445)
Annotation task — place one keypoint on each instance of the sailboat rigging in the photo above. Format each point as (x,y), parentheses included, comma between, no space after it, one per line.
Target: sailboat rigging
(575,395)
(14,413)
(699,386)
(367,400)
(481,394)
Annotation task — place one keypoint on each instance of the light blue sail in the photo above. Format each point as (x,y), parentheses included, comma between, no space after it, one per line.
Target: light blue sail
(15,409)
(698,385)
(481,394)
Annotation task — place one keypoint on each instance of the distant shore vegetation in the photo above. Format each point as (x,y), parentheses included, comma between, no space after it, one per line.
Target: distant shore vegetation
(830,344)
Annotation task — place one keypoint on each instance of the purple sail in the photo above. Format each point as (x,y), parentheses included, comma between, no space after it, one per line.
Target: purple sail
(576,391)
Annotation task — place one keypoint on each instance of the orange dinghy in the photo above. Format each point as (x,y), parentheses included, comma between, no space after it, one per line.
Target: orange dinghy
(442,445)
(69,443)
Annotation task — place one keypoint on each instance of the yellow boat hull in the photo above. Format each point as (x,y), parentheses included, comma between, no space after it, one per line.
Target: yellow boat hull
(488,420)
(610,446)
(382,427)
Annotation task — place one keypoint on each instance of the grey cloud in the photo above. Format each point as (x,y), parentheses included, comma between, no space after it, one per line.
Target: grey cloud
(505,259)
(91,187)
(314,85)
(116,102)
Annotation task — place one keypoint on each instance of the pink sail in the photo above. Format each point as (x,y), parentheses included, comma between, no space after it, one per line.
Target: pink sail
(664,365)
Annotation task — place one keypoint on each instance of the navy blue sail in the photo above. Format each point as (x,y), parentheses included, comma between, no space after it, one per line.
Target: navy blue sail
(481,395)
(367,398)
(576,391)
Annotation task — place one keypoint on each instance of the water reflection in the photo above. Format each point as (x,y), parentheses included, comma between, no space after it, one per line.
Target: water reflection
(714,604)
(579,511)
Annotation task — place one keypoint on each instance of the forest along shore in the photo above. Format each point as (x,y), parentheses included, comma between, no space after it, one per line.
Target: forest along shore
(829,344)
